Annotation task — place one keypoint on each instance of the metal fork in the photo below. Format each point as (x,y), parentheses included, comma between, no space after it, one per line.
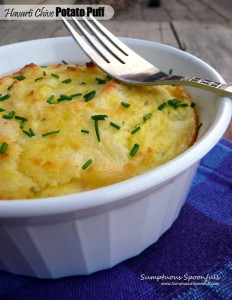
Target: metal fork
(120,62)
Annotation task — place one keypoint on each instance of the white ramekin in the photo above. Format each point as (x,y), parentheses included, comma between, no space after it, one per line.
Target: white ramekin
(94,230)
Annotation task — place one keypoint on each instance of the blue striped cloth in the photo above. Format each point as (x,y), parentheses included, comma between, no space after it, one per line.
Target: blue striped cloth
(192,260)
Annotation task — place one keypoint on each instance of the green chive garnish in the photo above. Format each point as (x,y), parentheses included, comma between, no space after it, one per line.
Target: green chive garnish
(50,133)
(67,80)
(146,117)
(193,105)
(174,103)
(54,75)
(9,116)
(86,164)
(100,81)
(184,104)
(134,149)
(97,130)
(21,124)
(64,97)
(84,131)
(76,95)
(125,104)
(89,96)
(83,83)
(1,109)
(161,106)
(64,62)
(115,125)
(20,118)
(27,133)
(10,87)
(170,71)
(50,98)
(39,78)
(199,126)
(43,66)
(4,97)
(20,77)
(3,148)
(31,132)
(99,117)
(135,130)
(44,73)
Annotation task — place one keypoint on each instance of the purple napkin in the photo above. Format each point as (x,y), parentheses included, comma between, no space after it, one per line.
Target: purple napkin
(192,260)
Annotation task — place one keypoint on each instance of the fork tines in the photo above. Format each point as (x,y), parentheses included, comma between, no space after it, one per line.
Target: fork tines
(102,46)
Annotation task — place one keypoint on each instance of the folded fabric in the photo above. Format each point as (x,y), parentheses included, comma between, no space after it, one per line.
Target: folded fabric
(192,260)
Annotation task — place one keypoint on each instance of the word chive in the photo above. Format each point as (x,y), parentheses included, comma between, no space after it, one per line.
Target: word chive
(54,75)
(39,78)
(100,81)
(84,131)
(86,164)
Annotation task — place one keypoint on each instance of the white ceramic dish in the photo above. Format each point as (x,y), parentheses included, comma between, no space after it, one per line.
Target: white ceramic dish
(95,230)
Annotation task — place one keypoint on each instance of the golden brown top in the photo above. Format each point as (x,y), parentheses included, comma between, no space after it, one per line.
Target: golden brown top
(68,128)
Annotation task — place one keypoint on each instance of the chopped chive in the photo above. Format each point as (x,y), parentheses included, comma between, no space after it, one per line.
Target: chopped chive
(9,116)
(64,62)
(43,66)
(1,109)
(97,130)
(20,118)
(170,71)
(39,78)
(83,83)
(50,133)
(174,103)
(3,148)
(125,104)
(76,95)
(161,106)
(115,125)
(21,124)
(20,77)
(135,130)
(67,80)
(184,104)
(146,117)
(27,133)
(100,81)
(31,132)
(199,126)
(193,105)
(84,131)
(4,97)
(44,73)
(99,117)
(50,98)
(86,164)
(89,96)
(108,77)
(10,87)
(54,75)
(134,149)
(64,97)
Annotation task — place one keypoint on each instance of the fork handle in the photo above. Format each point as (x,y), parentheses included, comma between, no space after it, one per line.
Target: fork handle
(209,85)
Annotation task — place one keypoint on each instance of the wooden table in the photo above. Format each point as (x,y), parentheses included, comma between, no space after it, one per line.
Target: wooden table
(212,42)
